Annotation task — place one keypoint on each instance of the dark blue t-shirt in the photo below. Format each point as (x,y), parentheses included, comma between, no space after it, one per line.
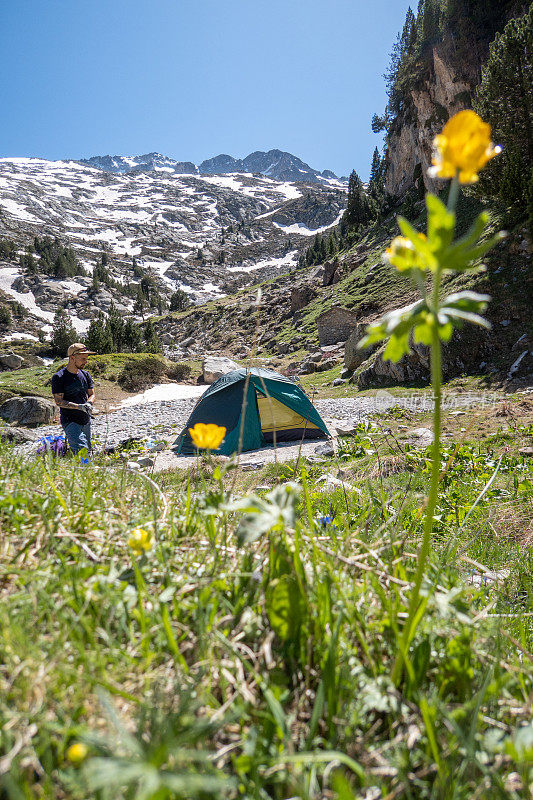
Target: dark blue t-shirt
(75,388)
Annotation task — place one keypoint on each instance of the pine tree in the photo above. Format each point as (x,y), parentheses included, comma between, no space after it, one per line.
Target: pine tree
(358,210)
(115,325)
(430,21)
(63,332)
(5,315)
(376,184)
(147,286)
(8,250)
(140,302)
(132,336)
(505,100)
(99,336)
(530,207)
(18,310)
(179,300)
(153,345)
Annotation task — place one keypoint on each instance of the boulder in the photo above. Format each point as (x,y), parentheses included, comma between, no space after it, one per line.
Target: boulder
(344,427)
(326,449)
(49,294)
(325,364)
(420,437)
(353,357)
(10,361)
(307,367)
(17,435)
(410,369)
(335,325)
(331,273)
(214,367)
(283,348)
(27,410)
(302,296)
(20,285)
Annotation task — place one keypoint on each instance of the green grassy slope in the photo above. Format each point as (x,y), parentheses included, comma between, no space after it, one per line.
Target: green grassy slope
(249,655)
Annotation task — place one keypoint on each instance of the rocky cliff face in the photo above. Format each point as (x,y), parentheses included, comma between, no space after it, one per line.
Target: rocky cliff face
(442,82)
(447,88)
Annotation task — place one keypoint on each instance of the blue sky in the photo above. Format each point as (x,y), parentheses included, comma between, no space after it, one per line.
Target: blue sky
(195,78)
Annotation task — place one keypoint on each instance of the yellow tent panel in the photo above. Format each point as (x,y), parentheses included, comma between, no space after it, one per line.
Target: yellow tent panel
(277,416)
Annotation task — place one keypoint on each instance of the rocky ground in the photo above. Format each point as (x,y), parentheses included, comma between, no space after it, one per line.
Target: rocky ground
(162,421)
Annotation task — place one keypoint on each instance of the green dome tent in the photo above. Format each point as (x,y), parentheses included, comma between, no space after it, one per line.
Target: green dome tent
(274,408)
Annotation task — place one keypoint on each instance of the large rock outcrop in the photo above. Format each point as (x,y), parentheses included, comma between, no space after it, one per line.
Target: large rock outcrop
(10,360)
(214,367)
(335,325)
(446,90)
(27,411)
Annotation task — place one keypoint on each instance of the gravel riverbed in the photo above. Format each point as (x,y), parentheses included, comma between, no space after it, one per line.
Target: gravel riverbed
(165,419)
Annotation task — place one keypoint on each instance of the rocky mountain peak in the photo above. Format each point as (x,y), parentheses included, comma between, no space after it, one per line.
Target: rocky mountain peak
(275,164)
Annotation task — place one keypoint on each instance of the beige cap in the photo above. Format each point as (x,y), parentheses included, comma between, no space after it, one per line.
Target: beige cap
(78,348)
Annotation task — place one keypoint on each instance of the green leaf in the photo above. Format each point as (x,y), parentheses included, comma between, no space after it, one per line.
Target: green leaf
(398,346)
(284,607)
(420,243)
(262,514)
(464,307)
(463,254)
(423,334)
(441,224)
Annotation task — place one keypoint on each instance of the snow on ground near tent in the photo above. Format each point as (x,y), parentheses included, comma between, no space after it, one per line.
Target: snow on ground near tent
(211,287)
(286,261)
(302,230)
(164,391)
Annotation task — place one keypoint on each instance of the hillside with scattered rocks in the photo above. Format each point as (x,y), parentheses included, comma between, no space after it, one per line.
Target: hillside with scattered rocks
(205,235)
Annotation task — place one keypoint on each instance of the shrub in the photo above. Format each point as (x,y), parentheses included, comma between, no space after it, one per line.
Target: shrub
(178,371)
(141,373)
(5,315)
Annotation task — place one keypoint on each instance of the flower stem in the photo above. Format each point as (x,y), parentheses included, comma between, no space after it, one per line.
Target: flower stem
(453,194)
(414,604)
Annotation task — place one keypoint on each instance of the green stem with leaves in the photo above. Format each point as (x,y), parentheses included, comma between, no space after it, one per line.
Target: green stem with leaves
(414,602)
(416,608)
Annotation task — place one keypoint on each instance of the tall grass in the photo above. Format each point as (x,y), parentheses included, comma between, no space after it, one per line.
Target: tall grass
(249,652)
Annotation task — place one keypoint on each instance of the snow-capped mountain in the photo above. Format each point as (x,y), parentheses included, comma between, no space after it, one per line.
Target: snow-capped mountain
(274,164)
(203,233)
(147,163)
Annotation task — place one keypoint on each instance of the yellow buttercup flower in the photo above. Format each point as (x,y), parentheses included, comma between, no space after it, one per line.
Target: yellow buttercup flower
(77,753)
(207,437)
(464,146)
(140,541)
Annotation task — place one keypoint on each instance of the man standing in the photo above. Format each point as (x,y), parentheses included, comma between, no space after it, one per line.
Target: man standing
(72,387)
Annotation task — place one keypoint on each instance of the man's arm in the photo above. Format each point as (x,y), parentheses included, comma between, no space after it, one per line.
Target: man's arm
(90,395)
(62,403)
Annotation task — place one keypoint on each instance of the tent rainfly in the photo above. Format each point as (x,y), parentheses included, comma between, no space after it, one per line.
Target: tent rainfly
(258,405)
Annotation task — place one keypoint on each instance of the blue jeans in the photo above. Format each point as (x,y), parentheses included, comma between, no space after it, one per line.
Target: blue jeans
(78,436)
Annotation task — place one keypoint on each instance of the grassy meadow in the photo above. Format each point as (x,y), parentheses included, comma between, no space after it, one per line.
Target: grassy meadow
(218,633)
